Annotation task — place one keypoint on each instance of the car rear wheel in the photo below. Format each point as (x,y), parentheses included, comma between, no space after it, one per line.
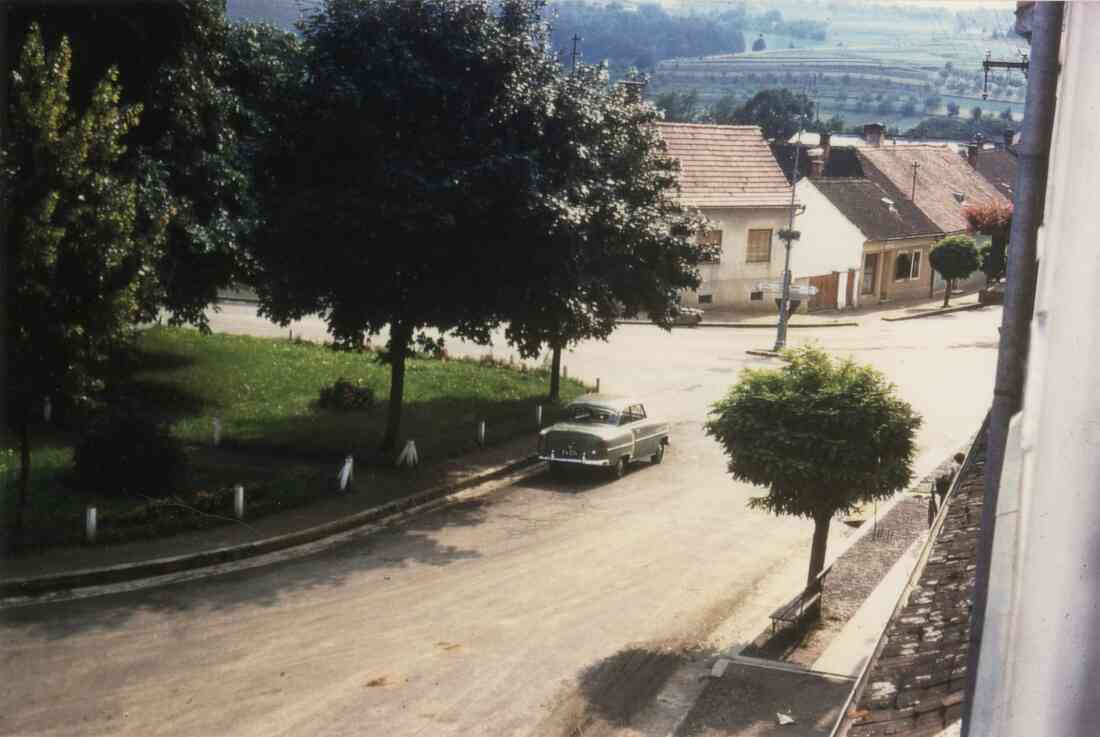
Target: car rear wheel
(619,468)
(659,455)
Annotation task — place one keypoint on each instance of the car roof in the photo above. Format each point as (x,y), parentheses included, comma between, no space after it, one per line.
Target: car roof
(606,401)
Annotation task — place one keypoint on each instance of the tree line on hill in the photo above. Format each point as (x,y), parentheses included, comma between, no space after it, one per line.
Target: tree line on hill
(780,112)
(639,37)
(452,176)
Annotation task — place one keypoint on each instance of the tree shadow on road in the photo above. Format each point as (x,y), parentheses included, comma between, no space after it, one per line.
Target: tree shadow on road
(387,552)
(610,693)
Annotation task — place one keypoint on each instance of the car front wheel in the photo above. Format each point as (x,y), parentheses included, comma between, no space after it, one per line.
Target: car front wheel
(619,468)
(659,455)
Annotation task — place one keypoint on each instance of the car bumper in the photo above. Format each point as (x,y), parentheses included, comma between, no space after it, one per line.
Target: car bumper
(581,461)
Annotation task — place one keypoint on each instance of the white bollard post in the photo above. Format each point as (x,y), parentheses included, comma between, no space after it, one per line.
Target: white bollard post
(346,472)
(481,433)
(238,501)
(90,524)
(564,371)
(538,415)
(217,431)
(408,456)
(47,409)
(597,385)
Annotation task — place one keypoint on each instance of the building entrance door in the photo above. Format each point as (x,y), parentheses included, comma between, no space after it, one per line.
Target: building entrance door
(870,272)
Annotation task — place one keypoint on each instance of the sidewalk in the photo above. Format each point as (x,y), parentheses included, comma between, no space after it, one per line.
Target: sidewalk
(886,310)
(434,481)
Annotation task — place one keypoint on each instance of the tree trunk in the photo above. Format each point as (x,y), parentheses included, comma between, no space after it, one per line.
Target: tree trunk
(17,533)
(399,350)
(817,551)
(555,373)
(947,291)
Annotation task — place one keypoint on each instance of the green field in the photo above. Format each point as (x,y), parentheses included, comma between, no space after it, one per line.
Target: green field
(275,440)
(873,52)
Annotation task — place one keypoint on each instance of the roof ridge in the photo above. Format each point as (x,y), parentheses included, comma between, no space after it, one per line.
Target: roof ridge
(720,126)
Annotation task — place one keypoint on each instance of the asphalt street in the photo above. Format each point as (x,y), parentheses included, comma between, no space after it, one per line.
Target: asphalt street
(480,619)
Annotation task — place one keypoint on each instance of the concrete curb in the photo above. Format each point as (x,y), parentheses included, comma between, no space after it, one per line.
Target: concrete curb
(30,587)
(944,311)
(750,325)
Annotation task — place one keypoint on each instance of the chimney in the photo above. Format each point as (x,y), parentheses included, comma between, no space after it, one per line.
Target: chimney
(872,133)
(1009,135)
(826,140)
(974,149)
(817,165)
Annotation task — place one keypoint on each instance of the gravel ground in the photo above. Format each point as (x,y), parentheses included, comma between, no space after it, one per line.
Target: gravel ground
(853,577)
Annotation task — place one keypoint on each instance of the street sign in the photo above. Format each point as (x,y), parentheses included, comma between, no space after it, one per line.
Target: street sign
(798,291)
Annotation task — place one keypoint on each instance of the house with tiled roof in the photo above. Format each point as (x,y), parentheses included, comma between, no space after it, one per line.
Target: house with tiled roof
(899,217)
(941,183)
(729,173)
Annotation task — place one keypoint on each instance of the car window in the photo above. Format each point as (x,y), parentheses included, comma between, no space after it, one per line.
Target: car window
(633,413)
(584,413)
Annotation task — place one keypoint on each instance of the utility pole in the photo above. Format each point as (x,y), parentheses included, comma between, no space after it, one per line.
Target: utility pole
(784,302)
(576,39)
(913,195)
(1033,153)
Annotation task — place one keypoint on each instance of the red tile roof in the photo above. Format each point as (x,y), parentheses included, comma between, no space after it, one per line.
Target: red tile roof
(941,175)
(916,683)
(725,166)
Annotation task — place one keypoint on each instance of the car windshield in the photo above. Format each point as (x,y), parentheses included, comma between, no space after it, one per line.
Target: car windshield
(592,415)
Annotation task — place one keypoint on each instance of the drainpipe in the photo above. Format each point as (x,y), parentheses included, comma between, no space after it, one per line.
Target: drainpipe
(1033,153)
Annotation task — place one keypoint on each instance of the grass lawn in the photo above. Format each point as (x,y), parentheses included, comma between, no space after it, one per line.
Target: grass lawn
(275,439)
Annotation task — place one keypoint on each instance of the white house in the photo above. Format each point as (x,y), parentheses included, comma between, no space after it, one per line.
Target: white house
(729,173)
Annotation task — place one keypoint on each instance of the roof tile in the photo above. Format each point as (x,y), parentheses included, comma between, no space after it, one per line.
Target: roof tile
(725,166)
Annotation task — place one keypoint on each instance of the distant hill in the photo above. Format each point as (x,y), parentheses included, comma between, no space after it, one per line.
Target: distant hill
(281,13)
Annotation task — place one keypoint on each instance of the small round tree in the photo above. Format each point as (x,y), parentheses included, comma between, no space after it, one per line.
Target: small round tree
(995,220)
(955,257)
(822,435)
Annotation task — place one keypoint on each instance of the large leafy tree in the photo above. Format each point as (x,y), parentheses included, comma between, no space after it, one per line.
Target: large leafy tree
(822,435)
(396,182)
(77,266)
(607,236)
(955,257)
(778,112)
(192,148)
(680,106)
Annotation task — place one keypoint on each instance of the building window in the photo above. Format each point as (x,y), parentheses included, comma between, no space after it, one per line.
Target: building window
(903,264)
(907,265)
(760,247)
(712,238)
(706,299)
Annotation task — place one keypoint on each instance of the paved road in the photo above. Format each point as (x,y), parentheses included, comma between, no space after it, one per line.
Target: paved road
(481,619)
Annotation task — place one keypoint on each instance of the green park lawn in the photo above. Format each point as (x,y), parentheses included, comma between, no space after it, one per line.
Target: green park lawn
(275,439)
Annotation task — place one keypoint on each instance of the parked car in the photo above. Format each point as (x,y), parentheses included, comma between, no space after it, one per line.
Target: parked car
(606,432)
(687,316)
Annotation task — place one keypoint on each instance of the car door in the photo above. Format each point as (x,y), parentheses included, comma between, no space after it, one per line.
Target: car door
(643,446)
(653,432)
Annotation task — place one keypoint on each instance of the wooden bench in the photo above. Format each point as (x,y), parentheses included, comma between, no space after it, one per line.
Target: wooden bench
(806,601)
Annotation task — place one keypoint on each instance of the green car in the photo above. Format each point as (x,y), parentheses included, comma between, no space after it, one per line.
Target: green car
(604,431)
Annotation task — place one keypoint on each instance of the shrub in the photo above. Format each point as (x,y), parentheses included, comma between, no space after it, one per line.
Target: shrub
(345,395)
(125,453)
